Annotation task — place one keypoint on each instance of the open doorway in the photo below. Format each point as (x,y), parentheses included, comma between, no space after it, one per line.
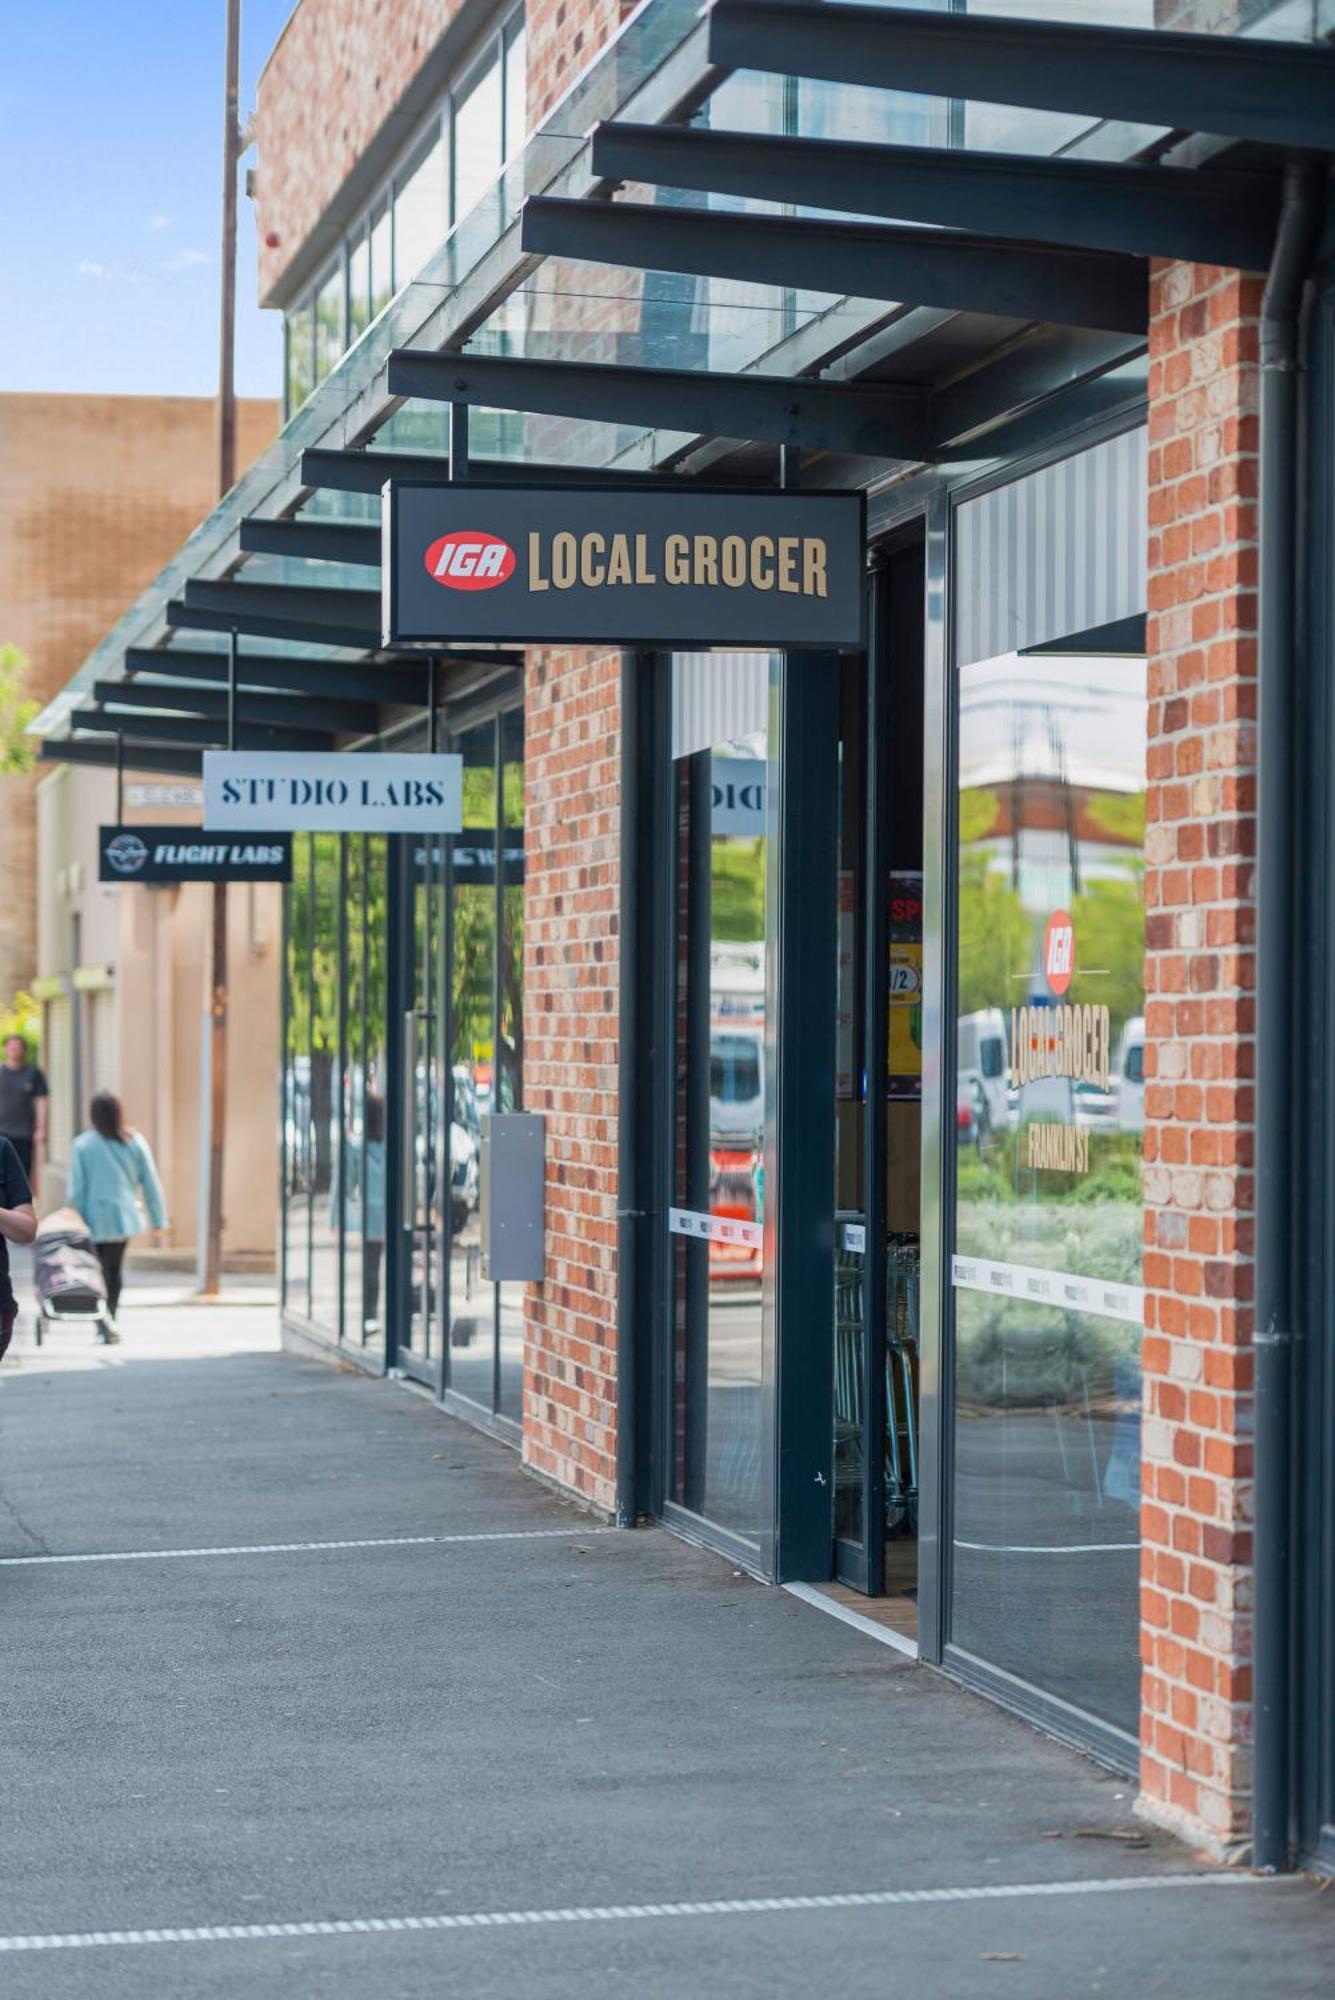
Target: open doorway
(878,1102)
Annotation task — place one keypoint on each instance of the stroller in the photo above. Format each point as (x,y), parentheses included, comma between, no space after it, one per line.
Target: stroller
(67,1276)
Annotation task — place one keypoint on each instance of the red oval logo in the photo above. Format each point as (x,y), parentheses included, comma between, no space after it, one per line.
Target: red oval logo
(469,559)
(1059,951)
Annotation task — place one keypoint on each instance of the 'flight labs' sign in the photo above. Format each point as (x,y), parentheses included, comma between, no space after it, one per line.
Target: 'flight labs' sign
(163,854)
(331,791)
(586,565)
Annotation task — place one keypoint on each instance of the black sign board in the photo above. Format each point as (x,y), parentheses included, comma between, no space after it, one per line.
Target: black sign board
(187,854)
(589,565)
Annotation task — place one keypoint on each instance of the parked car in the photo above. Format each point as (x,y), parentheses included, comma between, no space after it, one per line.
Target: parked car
(1129,1085)
(980,1050)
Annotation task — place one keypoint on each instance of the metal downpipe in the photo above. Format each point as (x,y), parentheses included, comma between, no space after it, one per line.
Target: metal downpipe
(628,1138)
(1281,306)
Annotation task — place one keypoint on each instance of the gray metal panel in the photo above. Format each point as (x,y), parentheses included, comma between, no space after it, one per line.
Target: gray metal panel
(718,698)
(513,1165)
(1055,553)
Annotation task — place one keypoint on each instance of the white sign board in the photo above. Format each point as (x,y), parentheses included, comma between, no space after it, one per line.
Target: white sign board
(331,791)
(738,785)
(164,795)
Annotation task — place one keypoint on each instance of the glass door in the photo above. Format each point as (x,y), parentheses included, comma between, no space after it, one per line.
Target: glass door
(421,1168)
(716,1219)
(484,979)
(878,1094)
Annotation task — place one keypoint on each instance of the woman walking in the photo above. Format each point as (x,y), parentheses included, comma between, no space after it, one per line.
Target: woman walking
(111,1169)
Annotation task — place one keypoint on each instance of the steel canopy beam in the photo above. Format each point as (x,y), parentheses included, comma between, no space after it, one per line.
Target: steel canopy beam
(367,471)
(328,608)
(313,541)
(199,733)
(1278,93)
(316,710)
(1212,217)
(399,686)
(261,625)
(873,421)
(929,267)
(104,755)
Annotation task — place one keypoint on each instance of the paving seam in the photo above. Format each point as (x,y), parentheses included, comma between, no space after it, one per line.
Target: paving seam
(740,1906)
(304,1548)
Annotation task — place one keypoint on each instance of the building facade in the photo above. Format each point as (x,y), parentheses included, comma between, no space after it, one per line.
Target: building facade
(96,492)
(922,1062)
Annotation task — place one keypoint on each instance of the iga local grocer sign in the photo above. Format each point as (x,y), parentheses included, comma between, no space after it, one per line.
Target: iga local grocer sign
(332,792)
(162,854)
(588,565)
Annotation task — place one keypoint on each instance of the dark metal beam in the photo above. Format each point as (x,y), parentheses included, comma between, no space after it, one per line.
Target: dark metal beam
(1215,217)
(316,710)
(367,471)
(203,735)
(875,421)
(332,609)
(313,541)
(400,685)
(138,756)
(1280,93)
(1123,638)
(259,625)
(929,267)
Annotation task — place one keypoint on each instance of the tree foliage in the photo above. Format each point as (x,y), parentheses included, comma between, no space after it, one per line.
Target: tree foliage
(17,709)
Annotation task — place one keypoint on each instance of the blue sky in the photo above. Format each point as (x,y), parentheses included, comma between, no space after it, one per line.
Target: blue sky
(110,165)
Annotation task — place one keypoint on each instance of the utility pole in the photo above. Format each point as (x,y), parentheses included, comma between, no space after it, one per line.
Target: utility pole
(211,1274)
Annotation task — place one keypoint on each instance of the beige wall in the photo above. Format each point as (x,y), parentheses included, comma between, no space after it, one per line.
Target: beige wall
(130,963)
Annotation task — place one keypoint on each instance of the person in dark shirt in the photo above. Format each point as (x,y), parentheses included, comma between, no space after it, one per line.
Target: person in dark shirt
(18,1224)
(23,1096)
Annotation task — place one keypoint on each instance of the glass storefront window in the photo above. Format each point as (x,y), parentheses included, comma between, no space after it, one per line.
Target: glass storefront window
(325,1076)
(297,1170)
(359,285)
(299,358)
(419,208)
(510,1040)
(516,82)
(381,239)
(718,1201)
(1049,1081)
(479,137)
(330,329)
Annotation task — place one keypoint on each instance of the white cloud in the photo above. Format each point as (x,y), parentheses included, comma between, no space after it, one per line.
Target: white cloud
(157,222)
(186,260)
(88,267)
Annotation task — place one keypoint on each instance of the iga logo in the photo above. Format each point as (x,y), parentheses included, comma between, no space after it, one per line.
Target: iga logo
(1059,951)
(127,853)
(468,559)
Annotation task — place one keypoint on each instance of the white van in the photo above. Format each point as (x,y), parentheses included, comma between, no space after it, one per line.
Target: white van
(980,1050)
(1130,1082)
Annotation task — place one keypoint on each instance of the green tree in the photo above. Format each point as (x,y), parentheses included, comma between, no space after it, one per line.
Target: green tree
(17,709)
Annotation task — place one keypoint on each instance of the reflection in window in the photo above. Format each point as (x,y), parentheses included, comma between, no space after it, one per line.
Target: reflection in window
(297,1169)
(1051,941)
(472,1360)
(359,285)
(325,1079)
(329,323)
(381,234)
(300,370)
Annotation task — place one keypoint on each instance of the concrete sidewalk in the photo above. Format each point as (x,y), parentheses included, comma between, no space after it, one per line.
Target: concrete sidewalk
(336,1692)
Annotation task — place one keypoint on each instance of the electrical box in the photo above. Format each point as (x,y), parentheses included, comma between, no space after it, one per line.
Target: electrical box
(513,1166)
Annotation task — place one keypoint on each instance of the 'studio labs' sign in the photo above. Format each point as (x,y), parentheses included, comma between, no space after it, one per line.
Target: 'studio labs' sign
(593,565)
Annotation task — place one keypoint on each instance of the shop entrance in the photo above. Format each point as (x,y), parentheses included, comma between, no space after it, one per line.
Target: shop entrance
(878,1098)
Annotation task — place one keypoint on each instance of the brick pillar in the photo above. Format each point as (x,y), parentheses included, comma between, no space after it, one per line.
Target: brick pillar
(1196,1625)
(572,740)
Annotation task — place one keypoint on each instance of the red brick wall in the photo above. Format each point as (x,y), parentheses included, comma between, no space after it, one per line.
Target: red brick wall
(336,73)
(1199,1018)
(571,965)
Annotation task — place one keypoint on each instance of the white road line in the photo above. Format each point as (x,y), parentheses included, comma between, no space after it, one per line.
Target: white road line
(301,1548)
(811,1593)
(619,1913)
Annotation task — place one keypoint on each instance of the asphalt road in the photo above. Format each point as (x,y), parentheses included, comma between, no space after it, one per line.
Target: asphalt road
(317,1716)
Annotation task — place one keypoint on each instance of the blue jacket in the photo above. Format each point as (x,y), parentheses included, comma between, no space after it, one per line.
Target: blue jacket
(105,1175)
